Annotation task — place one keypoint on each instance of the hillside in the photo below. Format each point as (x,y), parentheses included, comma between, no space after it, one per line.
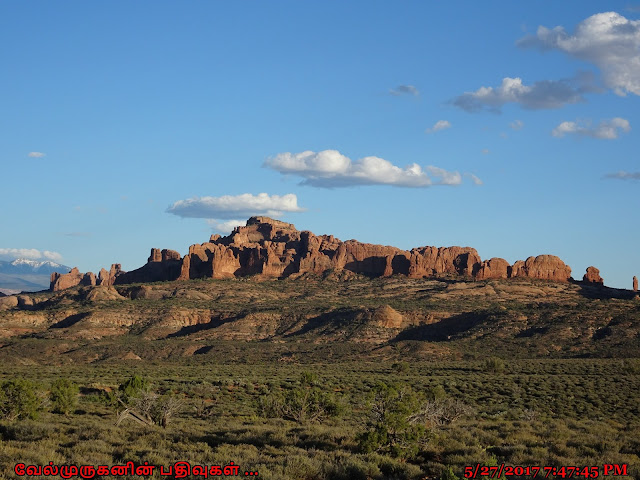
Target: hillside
(444,317)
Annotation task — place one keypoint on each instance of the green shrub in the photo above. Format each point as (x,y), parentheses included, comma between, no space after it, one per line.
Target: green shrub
(133,388)
(64,395)
(307,402)
(390,429)
(449,475)
(18,400)
(494,365)
(401,367)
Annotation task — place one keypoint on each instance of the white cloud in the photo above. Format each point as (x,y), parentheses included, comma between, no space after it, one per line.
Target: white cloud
(606,129)
(37,154)
(55,256)
(474,179)
(225,226)
(607,40)
(540,95)
(446,178)
(517,124)
(404,90)
(485,151)
(229,207)
(439,125)
(622,175)
(329,168)
(30,253)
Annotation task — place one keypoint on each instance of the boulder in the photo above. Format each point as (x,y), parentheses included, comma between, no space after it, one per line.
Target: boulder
(103,293)
(25,301)
(8,302)
(387,317)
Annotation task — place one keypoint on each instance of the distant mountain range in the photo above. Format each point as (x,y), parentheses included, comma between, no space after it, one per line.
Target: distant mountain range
(24,275)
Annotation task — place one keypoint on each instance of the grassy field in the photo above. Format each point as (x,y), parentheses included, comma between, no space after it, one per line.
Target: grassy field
(572,412)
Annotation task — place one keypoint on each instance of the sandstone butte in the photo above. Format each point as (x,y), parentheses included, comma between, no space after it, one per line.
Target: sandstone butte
(593,276)
(273,249)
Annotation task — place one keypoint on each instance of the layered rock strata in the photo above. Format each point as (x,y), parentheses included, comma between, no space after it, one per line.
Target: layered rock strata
(274,249)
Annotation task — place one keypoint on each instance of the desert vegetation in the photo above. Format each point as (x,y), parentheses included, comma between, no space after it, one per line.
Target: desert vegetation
(323,378)
(294,420)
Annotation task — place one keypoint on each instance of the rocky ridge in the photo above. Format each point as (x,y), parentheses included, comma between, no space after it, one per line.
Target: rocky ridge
(274,249)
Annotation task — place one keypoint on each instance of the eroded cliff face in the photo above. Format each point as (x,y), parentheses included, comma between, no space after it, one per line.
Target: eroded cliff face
(274,249)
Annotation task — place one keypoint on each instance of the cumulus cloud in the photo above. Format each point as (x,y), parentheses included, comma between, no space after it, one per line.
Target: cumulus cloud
(29,253)
(607,40)
(439,125)
(404,90)
(544,94)
(329,168)
(229,207)
(55,256)
(517,125)
(37,154)
(622,175)
(225,226)
(606,129)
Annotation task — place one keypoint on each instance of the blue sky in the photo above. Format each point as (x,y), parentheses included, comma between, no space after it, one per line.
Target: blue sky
(510,127)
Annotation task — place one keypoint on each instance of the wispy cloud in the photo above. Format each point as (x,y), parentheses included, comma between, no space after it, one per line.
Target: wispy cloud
(485,151)
(404,90)
(329,169)
(229,207)
(77,234)
(29,253)
(606,129)
(474,179)
(607,40)
(438,126)
(517,125)
(545,94)
(37,154)
(622,175)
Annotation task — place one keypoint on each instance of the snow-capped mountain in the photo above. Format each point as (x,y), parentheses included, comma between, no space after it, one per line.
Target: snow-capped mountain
(24,265)
(28,275)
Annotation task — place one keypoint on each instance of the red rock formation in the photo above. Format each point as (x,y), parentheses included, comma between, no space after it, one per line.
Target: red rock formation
(109,278)
(60,281)
(428,261)
(593,276)
(156,256)
(493,268)
(271,248)
(164,255)
(545,267)
(88,279)
(635,283)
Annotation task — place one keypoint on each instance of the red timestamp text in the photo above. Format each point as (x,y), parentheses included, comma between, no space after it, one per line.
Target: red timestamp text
(564,471)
